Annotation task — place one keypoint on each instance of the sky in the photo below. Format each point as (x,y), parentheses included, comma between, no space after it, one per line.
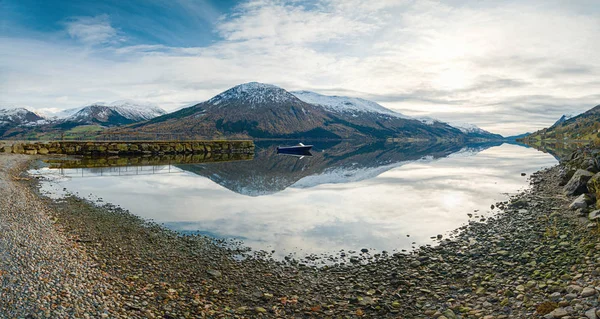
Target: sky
(507,66)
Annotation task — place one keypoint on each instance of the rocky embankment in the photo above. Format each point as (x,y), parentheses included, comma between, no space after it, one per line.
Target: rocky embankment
(127,148)
(539,258)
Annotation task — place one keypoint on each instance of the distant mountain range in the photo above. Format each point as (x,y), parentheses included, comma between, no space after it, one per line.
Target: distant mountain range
(250,110)
(585,126)
(21,122)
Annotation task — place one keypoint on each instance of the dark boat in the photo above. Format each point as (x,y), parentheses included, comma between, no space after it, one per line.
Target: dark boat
(298,149)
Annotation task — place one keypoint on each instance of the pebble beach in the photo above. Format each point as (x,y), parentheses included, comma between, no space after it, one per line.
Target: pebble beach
(71,258)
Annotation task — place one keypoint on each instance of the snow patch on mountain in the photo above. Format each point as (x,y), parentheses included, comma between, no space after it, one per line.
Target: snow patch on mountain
(428,120)
(137,111)
(253,94)
(53,114)
(345,104)
(467,127)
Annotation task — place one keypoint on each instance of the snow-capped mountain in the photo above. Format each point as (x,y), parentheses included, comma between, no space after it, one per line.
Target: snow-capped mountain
(345,104)
(17,117)
(474,131)
(563,119)
(359,107)
(267,111)
(137,111)
(252,94)
(115,113)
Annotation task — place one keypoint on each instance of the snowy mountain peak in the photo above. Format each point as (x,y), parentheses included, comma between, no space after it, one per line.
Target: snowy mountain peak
(345,104)
(253,94)
(131,110)
(563,118)
(19,116)
(13,112)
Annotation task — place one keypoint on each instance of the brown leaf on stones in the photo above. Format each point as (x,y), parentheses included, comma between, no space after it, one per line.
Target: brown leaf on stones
(546,307)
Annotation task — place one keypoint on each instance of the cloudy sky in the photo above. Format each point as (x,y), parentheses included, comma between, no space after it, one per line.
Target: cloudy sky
(507,66)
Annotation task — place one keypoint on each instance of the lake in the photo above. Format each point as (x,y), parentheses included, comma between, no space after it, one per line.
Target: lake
(343,198)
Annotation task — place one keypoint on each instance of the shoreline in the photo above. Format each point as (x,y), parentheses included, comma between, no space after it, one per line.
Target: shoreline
(507,267)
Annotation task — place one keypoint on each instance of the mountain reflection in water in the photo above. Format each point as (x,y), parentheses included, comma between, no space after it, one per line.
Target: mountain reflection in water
(330,163)
(344,196)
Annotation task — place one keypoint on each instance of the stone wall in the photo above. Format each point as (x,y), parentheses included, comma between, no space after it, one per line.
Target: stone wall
(129,148)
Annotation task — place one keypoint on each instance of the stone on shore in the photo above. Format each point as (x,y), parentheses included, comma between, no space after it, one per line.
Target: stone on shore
(558,313)
(580,202)
(578,183)
(595,215)
(565,175)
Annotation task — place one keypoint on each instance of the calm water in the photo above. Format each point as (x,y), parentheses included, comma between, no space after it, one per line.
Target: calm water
(343,197)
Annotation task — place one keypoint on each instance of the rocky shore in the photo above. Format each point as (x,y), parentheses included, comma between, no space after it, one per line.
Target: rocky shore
(539,258)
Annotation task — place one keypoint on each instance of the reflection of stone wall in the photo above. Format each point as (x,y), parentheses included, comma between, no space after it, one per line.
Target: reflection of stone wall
(150,160)
(130,148)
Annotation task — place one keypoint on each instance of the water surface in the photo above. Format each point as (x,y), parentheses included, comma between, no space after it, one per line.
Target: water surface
(378,196)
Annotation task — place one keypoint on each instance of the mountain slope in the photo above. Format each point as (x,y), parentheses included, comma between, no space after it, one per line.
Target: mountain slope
(585,126)
(361,108)
(266,111)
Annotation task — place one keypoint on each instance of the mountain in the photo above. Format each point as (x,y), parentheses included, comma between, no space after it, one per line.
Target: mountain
(517,137)
(585,126)
(475,132)
(114,114)
(266,111)
(562,119)
(11,118)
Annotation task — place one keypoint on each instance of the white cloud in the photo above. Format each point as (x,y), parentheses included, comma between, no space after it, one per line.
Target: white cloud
(92,30)
(281,23)
(508,67)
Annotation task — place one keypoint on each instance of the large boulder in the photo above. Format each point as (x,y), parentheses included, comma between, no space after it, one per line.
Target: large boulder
(565,175)
(578,183)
